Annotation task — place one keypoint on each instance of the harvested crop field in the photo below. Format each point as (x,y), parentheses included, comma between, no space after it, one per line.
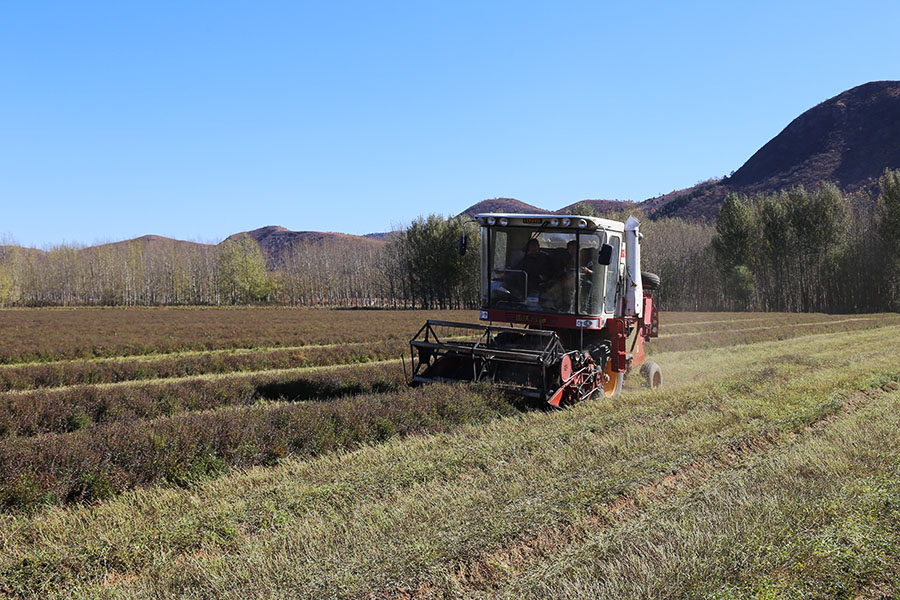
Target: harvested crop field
(234,453)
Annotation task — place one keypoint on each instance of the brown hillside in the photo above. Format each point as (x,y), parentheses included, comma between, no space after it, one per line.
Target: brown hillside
(602,206)
(502,205)
(6,252)
(275,241)
(849,139)
(151,242)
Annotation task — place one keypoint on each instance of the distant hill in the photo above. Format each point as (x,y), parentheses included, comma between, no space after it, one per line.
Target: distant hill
(511,205)
(7,250)
(273,236)
(275,241)
(849,139)
(151,242)
(601,206)
(384,235)
(502,205)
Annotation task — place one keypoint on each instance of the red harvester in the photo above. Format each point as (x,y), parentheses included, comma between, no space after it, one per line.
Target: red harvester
(577,306)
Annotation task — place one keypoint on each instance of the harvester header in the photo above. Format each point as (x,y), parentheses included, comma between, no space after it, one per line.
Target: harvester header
(576,306)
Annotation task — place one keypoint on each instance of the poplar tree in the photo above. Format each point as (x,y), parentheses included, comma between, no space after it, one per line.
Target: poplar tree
(889,232)
(734,246)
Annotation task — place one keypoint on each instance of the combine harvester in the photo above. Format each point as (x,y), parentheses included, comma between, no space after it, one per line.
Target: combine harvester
(577,306)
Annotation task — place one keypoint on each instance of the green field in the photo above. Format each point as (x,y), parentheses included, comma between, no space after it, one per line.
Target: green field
(300,466)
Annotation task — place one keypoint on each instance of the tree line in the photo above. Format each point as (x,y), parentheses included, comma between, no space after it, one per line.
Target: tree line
(796,250)
(418,267)
(164,272)
(811,251)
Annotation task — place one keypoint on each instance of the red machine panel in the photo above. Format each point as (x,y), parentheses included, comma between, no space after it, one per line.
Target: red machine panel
(541,320)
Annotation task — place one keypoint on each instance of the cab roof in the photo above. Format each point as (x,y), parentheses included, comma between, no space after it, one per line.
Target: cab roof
(538,220)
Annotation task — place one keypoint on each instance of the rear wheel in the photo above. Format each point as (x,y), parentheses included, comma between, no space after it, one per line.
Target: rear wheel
(650,280)
(652,374)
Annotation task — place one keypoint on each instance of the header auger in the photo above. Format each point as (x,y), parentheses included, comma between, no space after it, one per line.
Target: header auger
(578,307)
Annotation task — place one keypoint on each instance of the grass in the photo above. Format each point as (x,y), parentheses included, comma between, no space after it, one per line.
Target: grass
(427,513)
(756,320)
(779,320)
(753,335)
(817,518)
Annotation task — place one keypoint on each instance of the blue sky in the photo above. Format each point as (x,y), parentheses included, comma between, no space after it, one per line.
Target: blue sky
(199,119)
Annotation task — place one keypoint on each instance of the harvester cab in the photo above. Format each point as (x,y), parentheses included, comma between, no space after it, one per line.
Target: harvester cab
(572,307)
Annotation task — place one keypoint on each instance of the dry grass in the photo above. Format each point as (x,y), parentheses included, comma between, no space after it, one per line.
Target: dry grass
(817,517)
(633,497)
(762,320)
(780,331)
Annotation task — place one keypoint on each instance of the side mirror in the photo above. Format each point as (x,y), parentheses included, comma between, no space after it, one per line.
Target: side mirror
(463,244)
(605,256)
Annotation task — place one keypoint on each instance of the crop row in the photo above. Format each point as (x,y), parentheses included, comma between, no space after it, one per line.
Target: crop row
(100,462)
(719,339)
(677,318)
(82,372)
(59,410)
(69,409)
(414,515)
(28,335)
(139,434)
(58,334)
(762,320)
(98,371)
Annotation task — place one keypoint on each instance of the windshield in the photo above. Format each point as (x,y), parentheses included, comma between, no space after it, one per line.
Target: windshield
(541,271)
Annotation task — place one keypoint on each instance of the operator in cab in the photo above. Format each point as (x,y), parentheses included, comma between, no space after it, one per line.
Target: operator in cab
(536,265)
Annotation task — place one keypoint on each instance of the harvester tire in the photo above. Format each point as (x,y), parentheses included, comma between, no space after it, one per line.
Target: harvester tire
(650,280)
(652,374)
(612,386)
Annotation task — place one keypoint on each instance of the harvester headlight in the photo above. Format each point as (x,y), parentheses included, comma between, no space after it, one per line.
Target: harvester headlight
(491,220)
(554,222)
(504,221)
(566,222)
(582,223)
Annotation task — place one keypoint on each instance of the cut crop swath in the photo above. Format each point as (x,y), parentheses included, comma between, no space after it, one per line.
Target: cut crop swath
(83,372)
(43,335)
(100,462)
(69,409)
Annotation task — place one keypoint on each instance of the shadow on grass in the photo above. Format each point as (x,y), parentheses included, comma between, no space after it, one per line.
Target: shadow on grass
(311,390)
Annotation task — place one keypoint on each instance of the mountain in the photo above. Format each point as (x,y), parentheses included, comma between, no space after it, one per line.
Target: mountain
(275,241)
(513,206)
(849,139)
(601,206)
(151,242)
(502,205)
